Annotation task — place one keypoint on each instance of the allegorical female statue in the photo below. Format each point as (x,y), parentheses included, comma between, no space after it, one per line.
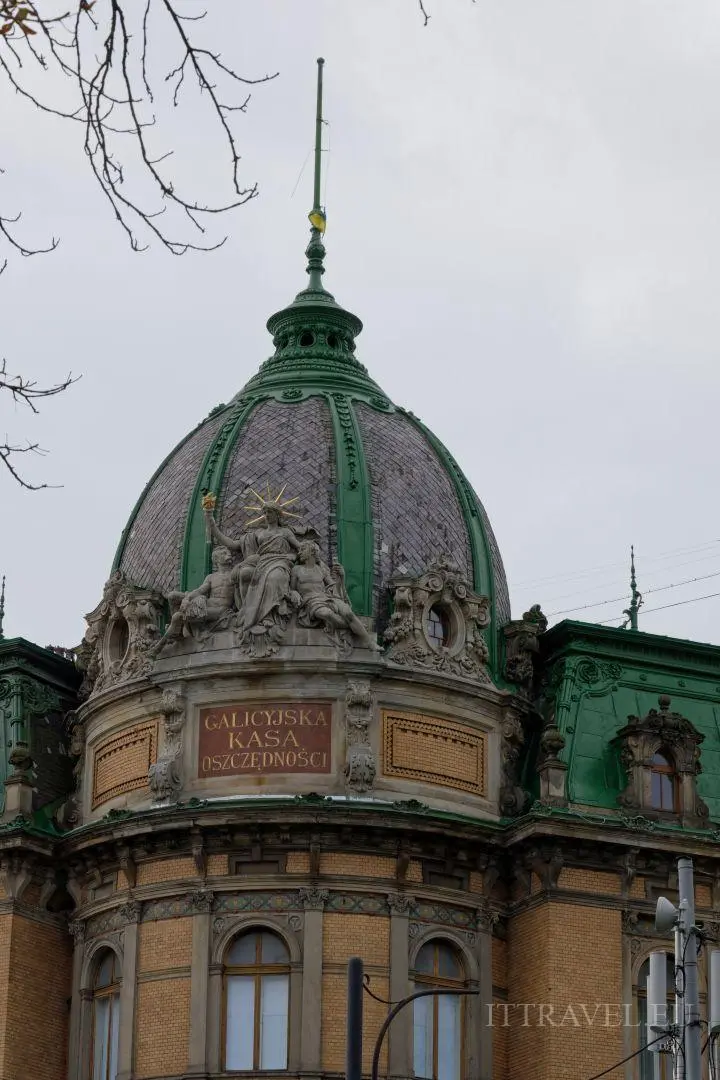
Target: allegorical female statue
(269,549)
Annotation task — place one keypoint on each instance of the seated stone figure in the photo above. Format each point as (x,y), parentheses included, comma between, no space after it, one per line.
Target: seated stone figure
(321,596)
(192,612)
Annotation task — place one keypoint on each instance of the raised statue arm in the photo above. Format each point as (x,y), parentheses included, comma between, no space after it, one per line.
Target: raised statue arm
(208,505)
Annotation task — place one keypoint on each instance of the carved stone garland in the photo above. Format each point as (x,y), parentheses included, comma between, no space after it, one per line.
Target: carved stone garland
(443,587)
(360,765)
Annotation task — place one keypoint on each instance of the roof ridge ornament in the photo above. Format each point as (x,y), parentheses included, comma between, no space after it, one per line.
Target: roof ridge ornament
(636,599)
(2,607)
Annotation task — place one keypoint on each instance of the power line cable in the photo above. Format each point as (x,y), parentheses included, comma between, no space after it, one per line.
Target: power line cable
(634,1054)
(646,592)
(583,572)
(608,584)
(664,607)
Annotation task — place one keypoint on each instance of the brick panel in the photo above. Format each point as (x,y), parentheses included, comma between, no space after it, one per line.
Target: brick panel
(369,866)
(367,936)
(162,1028)
(151,873)
(334,1018)
(592,881)
(164,945)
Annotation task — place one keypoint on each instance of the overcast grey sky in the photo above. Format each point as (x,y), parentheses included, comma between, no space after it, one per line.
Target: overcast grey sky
(522,202)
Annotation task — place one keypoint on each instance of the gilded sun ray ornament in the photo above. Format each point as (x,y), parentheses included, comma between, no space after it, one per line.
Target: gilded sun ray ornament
(264,502)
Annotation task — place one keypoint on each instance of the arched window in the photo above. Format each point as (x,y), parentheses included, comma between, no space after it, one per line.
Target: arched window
(106,1016)
(438,1021)
(256,985)
(654,1066)
(663,783)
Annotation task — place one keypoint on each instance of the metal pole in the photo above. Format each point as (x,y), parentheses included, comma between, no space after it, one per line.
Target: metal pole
(679,1064)
(353,1050)
(688,961)
(318,135)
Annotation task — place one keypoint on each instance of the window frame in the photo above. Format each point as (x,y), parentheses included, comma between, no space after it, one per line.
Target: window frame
(435,980)
(669,770)
(112,991)
(257,971)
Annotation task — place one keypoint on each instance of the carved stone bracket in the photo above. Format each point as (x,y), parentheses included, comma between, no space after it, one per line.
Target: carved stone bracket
(78,929)
(522,647)
(313,898)
(400,903)
(201,901)
(442,590)
(360,764)
(165,775)
(513,798)
(130,912)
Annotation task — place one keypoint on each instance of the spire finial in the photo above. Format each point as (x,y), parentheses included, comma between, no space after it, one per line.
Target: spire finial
(315,250)
(2,607)
(636,599)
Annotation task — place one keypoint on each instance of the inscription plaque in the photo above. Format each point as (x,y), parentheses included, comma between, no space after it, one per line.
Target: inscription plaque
(264,738)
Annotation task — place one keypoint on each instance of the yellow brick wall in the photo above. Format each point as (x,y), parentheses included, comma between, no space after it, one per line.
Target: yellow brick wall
(35,984)
(344,936)
(551,951)
(592,881)
(702,896)
(370,866)
(367,936)
(637,889)
(476,882)
(152,873)
(414,871)
(298,862)
(334,1015)
(164,944)
(162,1027)
(217,865)
(499,963)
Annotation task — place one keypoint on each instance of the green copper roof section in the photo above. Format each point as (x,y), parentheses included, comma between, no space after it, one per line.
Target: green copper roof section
(596,677)
(484,581)
(353,509)
(196,549)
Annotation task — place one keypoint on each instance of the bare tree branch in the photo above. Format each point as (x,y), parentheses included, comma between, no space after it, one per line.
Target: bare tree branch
(25,392)
(104,47)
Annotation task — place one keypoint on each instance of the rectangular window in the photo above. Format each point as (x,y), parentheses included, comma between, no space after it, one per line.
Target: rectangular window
(273,1021)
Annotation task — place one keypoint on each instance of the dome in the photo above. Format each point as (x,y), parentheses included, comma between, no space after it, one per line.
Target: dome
(383,494)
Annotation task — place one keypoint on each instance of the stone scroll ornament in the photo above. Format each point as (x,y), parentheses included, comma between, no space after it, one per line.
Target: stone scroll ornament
(120,635)
(441,586)
(269,575)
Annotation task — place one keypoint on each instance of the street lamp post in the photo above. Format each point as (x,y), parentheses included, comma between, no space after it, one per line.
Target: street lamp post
(354,1019)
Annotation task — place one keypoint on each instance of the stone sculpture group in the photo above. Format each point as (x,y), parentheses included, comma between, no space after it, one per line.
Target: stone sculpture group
(258,580)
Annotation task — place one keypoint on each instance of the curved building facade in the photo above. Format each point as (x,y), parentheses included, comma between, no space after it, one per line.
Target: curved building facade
(303,727)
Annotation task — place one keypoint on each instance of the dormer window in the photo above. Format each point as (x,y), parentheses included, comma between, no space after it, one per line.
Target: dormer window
(663,783)
(660,756)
